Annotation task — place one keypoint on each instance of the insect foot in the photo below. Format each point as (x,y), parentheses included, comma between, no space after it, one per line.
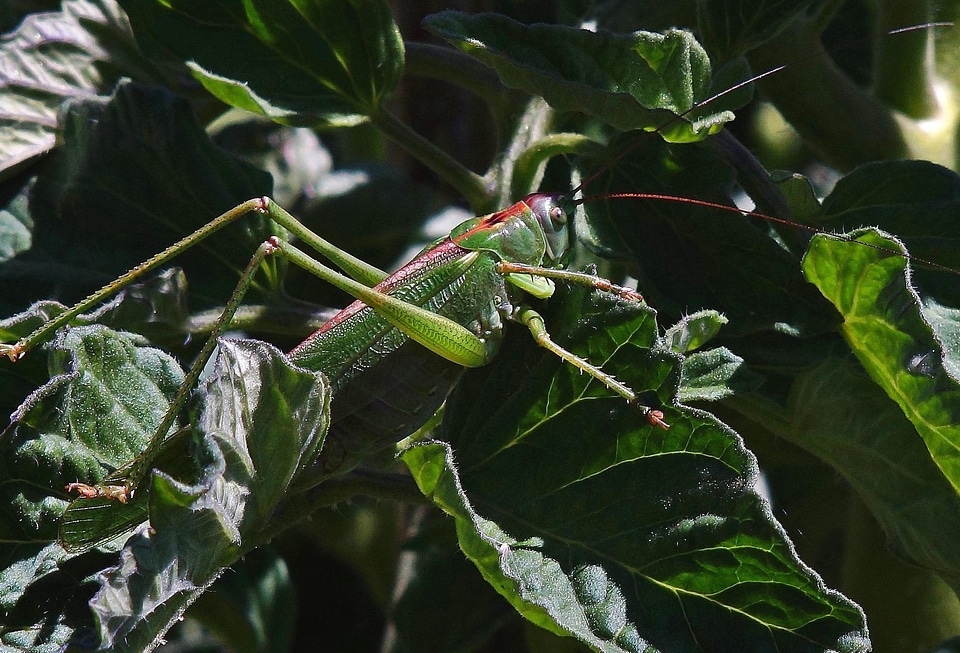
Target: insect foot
(113,492)
(655,417)
(13,352)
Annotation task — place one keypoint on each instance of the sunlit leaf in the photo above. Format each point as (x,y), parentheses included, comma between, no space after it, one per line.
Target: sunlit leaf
(611,530)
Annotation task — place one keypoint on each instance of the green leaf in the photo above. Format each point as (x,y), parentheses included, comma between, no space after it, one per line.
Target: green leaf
(714,374)
(717,260)
(79,51)
(733,27)
(262,422)
(693,331)
(916,200)
(885,327)
(877,451)
(252,608)
(631,81)
(104,401)
(136,158)
(16,225)
(321,63)
(610,530)
(44,594)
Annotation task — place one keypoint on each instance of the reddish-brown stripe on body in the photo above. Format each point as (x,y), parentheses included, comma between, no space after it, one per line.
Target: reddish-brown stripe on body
(446,250)
(495,218)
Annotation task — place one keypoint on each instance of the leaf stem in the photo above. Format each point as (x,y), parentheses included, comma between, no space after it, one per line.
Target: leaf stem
(530,164)
(377,485)
(471,185)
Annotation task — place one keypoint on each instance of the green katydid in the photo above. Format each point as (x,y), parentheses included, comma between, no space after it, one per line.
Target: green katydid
(452,299)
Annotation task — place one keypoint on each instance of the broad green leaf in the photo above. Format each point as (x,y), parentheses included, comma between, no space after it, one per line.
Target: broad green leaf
(885,327)
(103,401)
(136,158)
(916,200)
(845,419)
(631,81)
(318,62)
(106,396)
(262,422)
(44,594)
(690,258)
(595,524)
(79,51)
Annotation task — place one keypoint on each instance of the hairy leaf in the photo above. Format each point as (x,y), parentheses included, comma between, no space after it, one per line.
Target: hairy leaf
(887,330)
(631,81)
(262,422)
(79,51)
(620,534)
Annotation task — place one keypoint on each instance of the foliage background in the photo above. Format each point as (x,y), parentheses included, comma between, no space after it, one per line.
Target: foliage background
(367,572)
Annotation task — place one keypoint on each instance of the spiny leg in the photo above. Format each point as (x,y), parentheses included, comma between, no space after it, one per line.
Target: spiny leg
(535,323)
(355,267)
(582,278)
(124,483)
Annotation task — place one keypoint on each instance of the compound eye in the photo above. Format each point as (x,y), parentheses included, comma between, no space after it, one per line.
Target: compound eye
(557,216)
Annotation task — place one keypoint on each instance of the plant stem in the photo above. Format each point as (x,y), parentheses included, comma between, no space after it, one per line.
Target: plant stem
(471,185)
(378,485)
(841,122)
(903,65)
(529,166)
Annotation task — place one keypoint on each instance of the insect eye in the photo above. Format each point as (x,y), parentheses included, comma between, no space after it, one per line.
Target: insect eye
(557,216)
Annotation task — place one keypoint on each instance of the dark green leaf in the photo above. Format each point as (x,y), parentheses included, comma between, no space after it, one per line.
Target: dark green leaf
(879,453)
(103,403)
(621,534)
(77,52)
(445,605)
(137,158)
(632,81)
(262,422)
(321,63)
(689,258)
(916,200)
(733,27)
(251,607)
(43,597)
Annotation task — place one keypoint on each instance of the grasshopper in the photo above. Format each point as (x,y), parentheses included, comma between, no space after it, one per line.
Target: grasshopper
(453,300)
(418,328)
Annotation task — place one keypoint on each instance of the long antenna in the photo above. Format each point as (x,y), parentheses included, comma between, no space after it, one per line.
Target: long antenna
(736,87)
(733,209)
(769,218)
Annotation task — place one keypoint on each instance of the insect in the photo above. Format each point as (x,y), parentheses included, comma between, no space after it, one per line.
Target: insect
(453,299)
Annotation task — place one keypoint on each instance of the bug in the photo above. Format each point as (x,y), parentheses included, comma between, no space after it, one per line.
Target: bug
(437,324)
(508,552)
